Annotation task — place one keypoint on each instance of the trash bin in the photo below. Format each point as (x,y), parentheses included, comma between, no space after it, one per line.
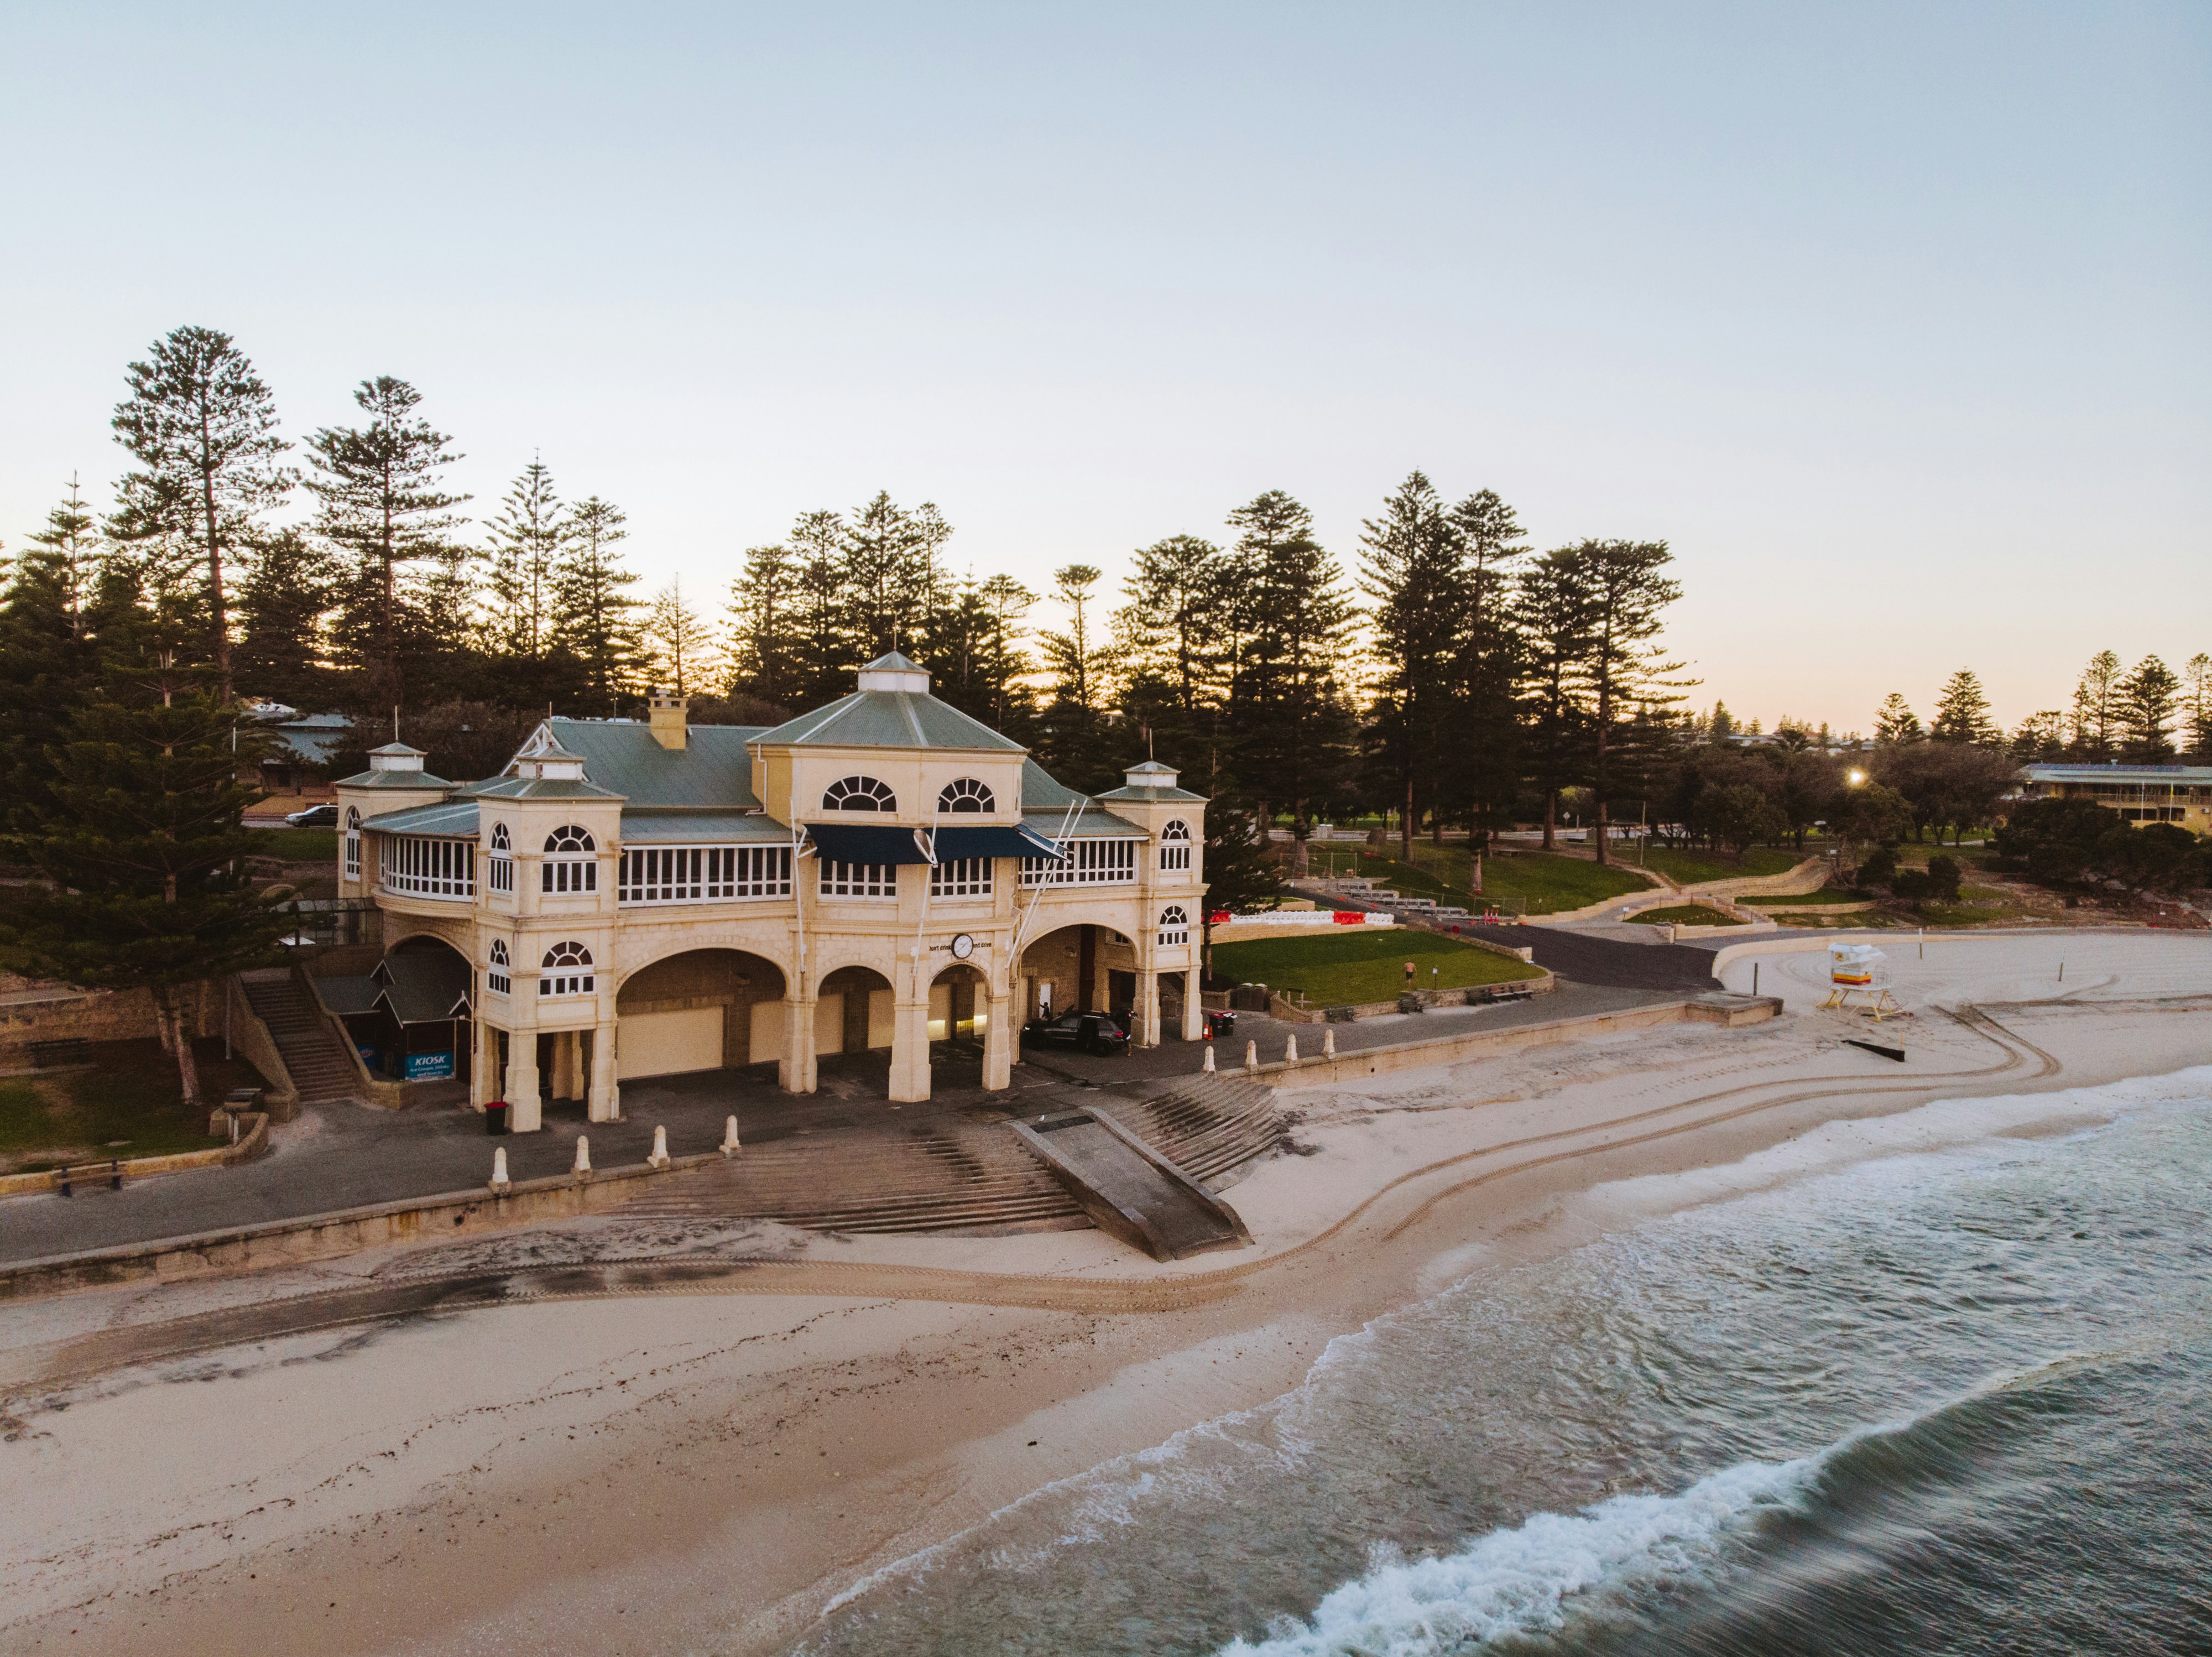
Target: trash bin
(496,1117)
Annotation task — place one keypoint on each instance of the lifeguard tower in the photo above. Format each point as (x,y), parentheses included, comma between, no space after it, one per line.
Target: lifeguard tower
(1859,982)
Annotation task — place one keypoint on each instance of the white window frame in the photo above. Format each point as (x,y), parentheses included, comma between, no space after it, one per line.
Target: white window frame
(499,872)
(860,882)
(495,973)
(1087,863)
(871,793)
(428,866)
(971,790)
(1175,927)
(353,843)
(963,877)
(649,876)
(570,869)
(571,977)
(1174,848)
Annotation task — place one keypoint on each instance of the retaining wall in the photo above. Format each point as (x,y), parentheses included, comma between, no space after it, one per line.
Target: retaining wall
(253,1143)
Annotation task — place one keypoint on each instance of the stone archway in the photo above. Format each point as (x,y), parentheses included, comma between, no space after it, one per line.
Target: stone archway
(959,1005)
(853,1012)
(1072,969)
(420,1015)
(700,1010)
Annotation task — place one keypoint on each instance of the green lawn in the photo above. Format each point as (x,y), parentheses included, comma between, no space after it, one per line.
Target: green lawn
(1692,868)
(296,845)
(1526,883)
(1821,899)
(1684,915)
(1337,970)
(129,1105)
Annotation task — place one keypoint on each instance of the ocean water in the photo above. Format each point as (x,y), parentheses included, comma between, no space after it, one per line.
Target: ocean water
(1958,1401)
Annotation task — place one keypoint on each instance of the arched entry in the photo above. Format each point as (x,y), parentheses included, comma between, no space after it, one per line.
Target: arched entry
(413,1018)
(853,1012)
(705,1009)
(959,1007)
(1077,969)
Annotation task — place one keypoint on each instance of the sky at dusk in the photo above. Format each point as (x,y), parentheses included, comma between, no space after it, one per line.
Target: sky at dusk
(1893,321)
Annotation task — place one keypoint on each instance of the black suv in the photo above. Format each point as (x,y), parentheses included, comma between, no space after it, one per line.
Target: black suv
(1089,1032)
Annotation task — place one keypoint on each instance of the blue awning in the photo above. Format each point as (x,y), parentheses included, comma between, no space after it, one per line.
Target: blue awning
(849,842)
(993,841)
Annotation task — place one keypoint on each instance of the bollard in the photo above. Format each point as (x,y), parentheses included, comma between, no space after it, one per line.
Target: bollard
(660,1157)
(1208,1066)
(583,1155)
(501,1183)
(1291,1049)
(1327,1042)
(730,1137)
(1251,1055)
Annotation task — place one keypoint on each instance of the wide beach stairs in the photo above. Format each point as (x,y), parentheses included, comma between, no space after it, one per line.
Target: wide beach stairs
(953,1176)
(319,1067)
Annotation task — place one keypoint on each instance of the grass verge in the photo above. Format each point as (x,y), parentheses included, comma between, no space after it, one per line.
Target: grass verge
(1527,883)
(1692,868)
(1684,915)
(297,845)
(129,1104)
(1337,971)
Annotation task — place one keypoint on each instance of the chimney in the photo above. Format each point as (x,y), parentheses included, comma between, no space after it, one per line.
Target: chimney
(668,712)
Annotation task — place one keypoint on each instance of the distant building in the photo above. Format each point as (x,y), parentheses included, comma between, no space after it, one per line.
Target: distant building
(629,900)
(2141,794)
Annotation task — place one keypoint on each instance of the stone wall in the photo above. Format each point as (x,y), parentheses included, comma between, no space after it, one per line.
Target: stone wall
(32,1011)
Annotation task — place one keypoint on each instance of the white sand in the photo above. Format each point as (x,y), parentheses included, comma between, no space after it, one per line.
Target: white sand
(642,1474)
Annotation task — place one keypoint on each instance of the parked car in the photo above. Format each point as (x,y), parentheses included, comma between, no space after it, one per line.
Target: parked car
(1089,1032)
(323,816)
(1219,1022)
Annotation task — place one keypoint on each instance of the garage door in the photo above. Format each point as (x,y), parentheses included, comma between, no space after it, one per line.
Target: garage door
(666,1044)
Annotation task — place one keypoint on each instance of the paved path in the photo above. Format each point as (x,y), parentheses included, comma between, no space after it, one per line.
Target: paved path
(1595,961)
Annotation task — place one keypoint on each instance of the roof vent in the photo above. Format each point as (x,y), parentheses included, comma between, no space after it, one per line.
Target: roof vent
(893,673)
(1151,775)
(395,757)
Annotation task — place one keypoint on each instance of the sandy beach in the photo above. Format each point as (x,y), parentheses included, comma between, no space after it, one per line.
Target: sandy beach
(709,1467)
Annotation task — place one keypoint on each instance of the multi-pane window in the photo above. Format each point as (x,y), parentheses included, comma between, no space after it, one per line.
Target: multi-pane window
(495,975)
(858,879)
(353,843)
(567,970)
(1084,862)
(423,868)
(702,874)
(569,866)
(1175,927)
(962,877)
(966,793)
(1175,847)
(859,793)
(500,875)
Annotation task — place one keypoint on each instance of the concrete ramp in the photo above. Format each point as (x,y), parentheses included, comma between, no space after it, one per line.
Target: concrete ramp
(1128,1189)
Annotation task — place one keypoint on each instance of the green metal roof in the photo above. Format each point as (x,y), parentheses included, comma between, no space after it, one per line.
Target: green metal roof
(539,788)
(1040,790)
(1151,796)
(714,770)
(454,819)
(887,719)
(1093,825)
(700,827)
(392,780)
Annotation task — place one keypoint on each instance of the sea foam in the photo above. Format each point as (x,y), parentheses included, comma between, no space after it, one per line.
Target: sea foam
(1522,1580)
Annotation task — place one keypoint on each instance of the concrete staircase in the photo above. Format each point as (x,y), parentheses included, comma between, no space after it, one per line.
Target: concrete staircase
(962,1177)
(320,1068)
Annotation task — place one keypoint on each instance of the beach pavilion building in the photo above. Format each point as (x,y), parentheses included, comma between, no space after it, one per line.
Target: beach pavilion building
(636,899)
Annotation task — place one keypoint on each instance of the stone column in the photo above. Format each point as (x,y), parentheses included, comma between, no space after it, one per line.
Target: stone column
(910,1034)
(794,1071)
(606,1098)
(483,1067)
(1146,1014)
(1004,1013)
(1193,1011)
(524,1112)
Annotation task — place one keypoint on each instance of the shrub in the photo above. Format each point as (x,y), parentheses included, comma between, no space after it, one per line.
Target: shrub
(1880,866)
(1943,878)
(1912,883)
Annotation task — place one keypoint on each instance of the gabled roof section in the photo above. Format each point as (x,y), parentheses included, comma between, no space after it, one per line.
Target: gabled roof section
(712,771)
(886,719)
(539,788)
(1040,791)
(422,986)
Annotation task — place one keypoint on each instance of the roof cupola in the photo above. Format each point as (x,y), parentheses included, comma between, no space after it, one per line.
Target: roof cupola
(893,673)
(396,757)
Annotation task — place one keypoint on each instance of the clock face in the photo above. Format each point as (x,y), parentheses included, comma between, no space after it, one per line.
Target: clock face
(962,947)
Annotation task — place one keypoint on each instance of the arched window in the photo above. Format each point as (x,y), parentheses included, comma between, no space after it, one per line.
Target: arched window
(502,861)
(966,793)
(1175,847)
(569,866)
(499,840)
(567,970)
(353,843)
(859,793)
(1175,927)
(495,977)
